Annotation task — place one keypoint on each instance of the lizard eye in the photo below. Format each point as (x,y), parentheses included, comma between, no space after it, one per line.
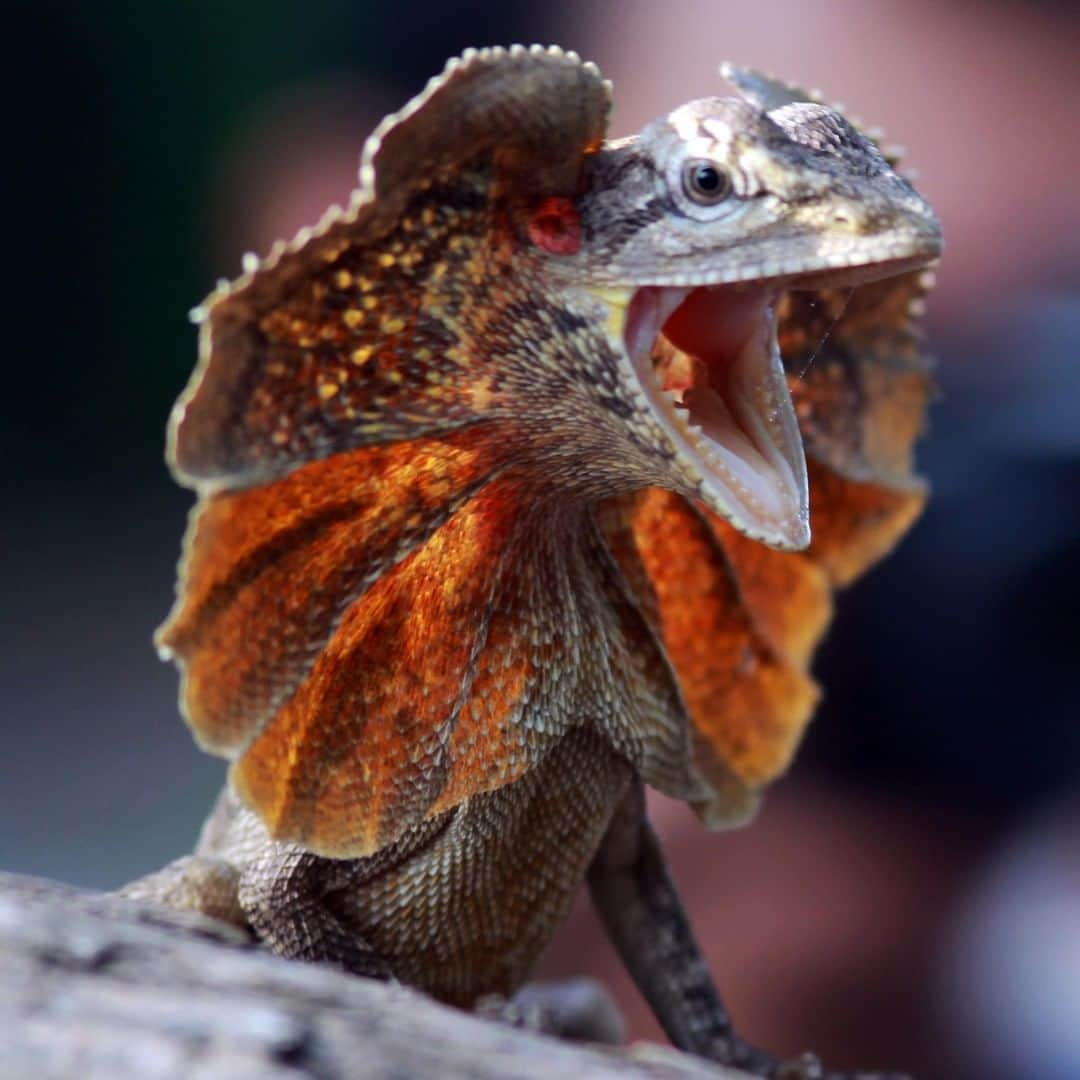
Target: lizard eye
(704,182)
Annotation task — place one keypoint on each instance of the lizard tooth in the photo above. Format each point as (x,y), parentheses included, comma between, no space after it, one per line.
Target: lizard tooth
(249,262)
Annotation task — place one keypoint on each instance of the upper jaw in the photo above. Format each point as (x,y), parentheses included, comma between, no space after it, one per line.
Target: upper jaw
(800,259)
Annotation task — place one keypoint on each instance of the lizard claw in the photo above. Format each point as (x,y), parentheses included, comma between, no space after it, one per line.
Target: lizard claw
(805,1067)
(808,1067)
(580,1010)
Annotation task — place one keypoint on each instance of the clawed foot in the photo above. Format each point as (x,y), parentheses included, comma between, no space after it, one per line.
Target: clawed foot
(805,1067)
(809,1067)
(580,1010)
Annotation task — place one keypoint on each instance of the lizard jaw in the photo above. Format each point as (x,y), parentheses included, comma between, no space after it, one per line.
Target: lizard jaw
(709,363)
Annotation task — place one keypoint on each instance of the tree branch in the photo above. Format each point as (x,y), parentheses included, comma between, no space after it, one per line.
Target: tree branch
(94,986)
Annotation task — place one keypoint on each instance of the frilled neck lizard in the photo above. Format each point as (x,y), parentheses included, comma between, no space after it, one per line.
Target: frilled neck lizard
(504,513)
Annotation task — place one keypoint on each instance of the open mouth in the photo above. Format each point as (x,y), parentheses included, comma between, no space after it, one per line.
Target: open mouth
(709,363)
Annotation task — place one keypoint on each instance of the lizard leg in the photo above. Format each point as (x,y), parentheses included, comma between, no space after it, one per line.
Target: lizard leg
(284,894)
(193,883)
(641,911)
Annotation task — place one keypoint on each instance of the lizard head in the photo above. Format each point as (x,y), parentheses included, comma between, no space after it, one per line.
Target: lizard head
(690,234)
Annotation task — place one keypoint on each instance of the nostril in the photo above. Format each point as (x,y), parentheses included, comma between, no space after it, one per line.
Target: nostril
(842,217)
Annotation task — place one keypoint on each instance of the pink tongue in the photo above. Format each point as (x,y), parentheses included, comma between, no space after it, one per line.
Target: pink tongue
(714,324)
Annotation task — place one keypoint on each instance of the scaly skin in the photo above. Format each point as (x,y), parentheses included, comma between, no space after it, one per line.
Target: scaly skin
(459,581)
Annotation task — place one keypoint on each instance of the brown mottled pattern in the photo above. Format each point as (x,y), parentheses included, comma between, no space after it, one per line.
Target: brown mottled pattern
(359,751)
(858,376)
(378,341)
(369,345)
(740,621)
(350,334)
(492,890)
(379,378)
(269,570)
(455,672)
(447,594)
(463,904)
(747,701)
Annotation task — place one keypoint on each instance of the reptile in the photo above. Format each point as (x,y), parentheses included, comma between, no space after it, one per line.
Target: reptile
(525,481)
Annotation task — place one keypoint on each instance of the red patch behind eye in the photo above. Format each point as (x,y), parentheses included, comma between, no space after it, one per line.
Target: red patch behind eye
(555,226)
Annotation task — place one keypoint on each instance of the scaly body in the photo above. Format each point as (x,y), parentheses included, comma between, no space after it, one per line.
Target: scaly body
(503,516)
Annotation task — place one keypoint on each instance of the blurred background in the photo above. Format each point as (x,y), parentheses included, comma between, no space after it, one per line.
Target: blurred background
(910,895)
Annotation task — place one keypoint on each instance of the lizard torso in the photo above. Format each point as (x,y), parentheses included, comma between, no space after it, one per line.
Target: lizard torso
(462,904)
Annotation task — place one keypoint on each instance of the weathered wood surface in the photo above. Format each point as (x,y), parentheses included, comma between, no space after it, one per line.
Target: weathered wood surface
(94,987)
